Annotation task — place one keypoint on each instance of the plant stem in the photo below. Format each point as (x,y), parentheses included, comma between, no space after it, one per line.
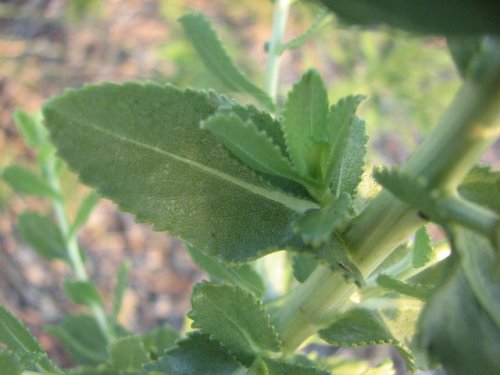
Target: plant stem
(74,255)
(280,16)
(452,148)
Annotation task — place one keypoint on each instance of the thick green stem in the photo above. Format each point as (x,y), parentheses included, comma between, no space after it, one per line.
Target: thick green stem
(280,16)
(467,128)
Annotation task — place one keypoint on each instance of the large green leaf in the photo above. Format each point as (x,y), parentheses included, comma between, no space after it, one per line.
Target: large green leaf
(16,337)
(216,59)
(198,355)
(360,326)
(457,17)
(305,120)
(42,234)
(457,329)
(235,318)
(141,146)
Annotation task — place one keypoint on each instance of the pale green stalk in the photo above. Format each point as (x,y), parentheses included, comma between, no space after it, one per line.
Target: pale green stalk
(452,148)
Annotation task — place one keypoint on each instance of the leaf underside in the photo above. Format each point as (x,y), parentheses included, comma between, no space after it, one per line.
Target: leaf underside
(141,146)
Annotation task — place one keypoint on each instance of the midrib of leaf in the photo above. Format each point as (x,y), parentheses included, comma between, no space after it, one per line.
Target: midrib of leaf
(293,203)
(255,348)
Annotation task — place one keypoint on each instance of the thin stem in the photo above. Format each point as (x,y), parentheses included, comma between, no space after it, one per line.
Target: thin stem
(74,255)
(280,16)
(467,128)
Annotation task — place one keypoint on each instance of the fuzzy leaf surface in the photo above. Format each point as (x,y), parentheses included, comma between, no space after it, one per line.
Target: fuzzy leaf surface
(141,146)
(482,186)
(128,353)
(359,327)
(16,337)
(235,318)
(305,120)
(197,355)
(25,181)
(243,276)
(422,248)
(460,17)
(344,161)
(42,234)
(255,148)
(216,60)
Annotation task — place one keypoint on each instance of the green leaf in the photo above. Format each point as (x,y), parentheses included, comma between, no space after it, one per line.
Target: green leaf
(121,285)
(235,318)
(305,122)
(197,355)
(131,139)
(30,129)
(24,181)
(482,186)
(83,292)
(319,21)
(82,338)
(242,275)
(84,211)
(462,17)
(316,226)
(16,337)
(303,266)
(216,60)
(333,253)
(255,148)
(359,327)
(413,290)
(268,366)
(455,328)
(344,161)
(10,363)
(42,234)
(128,353)
(422,248)
(158,340)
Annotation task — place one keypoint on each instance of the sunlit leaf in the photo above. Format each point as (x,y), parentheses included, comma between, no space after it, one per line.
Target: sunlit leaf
(422,248)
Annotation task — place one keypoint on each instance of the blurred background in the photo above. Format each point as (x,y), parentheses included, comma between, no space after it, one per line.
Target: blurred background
(47,46)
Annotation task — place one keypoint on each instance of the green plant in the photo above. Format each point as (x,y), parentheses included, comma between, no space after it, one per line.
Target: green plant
(237,183)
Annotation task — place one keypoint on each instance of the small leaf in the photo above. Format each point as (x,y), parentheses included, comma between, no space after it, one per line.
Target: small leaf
(42,234)
(424,16)
(242,276)
(82,338)
(305,121)
(84,211)
(197,355)
(268,366)
(303,266)
(31,131)
(216,59)
(316,226)
(83,292)
(129,139)
(16,337)
(363,327)
(250,145)
(121,285)
(413,290)
(128,353)
(482,186)
(235,318)
(333,253)
(422,248)
(160,339)
(24,181)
